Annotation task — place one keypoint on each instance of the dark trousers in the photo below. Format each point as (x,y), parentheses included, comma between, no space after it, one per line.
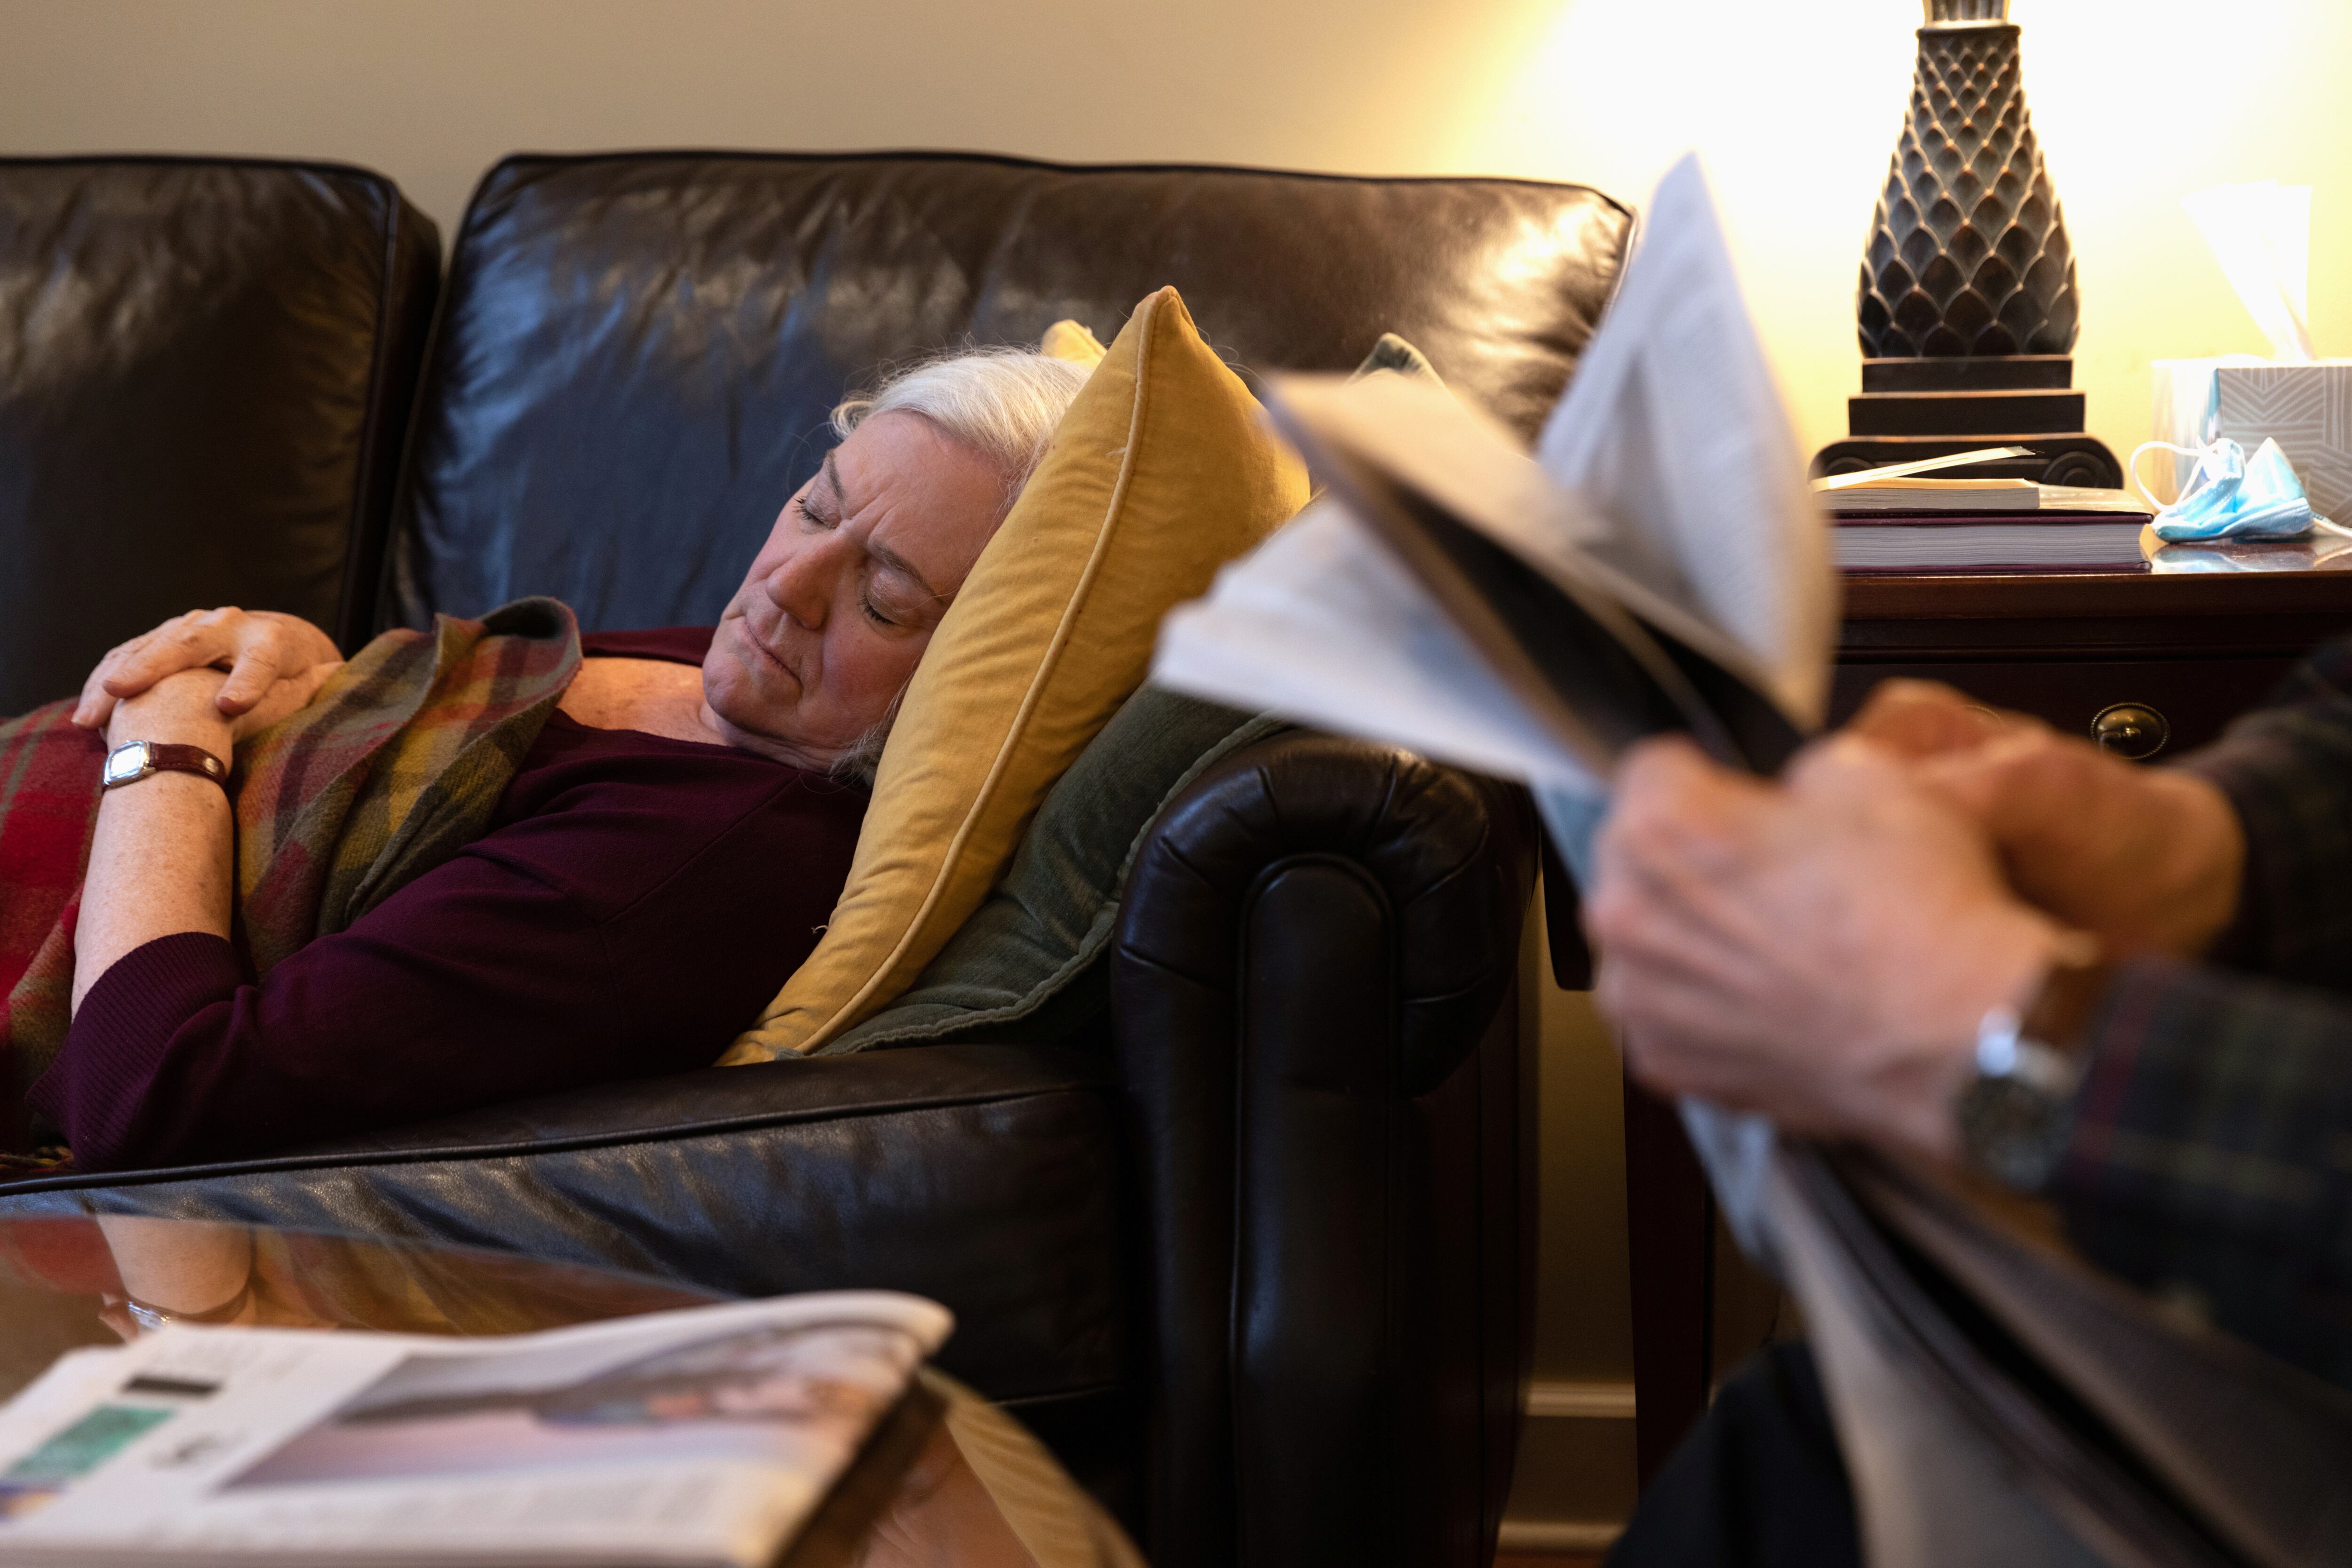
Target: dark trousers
(1758,1484)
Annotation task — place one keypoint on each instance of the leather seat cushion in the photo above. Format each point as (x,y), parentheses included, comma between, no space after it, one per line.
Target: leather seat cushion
(974,1175)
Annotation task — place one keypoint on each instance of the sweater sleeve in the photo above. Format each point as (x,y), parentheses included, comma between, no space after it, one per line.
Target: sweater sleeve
(2286,768)
(2209,1157)
(473,984)
(2208,1160)
(631,933)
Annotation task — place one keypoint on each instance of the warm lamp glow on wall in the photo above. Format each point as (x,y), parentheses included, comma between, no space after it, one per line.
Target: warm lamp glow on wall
(1967,310)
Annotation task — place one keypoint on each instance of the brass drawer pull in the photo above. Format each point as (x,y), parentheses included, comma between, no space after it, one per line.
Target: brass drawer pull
(2132,730)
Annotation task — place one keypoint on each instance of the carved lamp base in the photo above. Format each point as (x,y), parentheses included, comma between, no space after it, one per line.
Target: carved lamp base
(1912,408)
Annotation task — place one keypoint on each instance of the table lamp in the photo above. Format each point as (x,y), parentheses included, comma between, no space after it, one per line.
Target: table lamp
(1967,309)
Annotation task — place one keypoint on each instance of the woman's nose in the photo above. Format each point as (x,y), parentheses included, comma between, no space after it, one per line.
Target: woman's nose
(802,583)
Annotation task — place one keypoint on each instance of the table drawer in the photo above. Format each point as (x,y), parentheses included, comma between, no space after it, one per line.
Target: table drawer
(2191,700)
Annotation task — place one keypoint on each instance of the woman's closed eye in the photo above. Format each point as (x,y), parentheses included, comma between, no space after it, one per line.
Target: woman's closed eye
(810,515)
(892,604)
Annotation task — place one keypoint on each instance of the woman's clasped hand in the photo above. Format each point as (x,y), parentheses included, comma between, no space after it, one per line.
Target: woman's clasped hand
(274,665)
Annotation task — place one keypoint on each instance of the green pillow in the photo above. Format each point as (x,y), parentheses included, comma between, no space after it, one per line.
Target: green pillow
(1025,962)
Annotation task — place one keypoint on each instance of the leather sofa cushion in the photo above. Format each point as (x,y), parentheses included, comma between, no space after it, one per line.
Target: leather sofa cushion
(640,351)
(973,1174)
(206,368)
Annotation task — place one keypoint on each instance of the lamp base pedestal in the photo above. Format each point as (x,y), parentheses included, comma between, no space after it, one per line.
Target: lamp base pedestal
(1914,409)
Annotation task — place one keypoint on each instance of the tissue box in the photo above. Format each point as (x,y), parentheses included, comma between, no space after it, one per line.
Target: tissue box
(2305,408)
(2308,410)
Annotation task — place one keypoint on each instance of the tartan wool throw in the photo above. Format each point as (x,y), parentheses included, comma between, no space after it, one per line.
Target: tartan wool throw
(396,765)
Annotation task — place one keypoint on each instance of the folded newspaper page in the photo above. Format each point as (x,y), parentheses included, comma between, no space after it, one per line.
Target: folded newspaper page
(702,1437)
(1669,462)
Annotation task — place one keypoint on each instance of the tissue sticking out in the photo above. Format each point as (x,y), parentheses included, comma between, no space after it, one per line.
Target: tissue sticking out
(2261,234)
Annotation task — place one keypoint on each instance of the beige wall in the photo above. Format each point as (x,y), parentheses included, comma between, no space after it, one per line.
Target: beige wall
(1795,102)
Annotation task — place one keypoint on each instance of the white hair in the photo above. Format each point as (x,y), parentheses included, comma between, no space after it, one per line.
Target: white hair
(1003,402)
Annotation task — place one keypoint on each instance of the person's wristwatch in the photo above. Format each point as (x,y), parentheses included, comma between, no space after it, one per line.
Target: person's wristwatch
(2017,1112)
(135,760)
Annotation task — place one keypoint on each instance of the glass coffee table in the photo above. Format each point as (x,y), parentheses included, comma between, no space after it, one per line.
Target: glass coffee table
(948,1481)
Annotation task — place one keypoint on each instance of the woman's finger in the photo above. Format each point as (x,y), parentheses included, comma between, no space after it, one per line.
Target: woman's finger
(318,675)
(254,673)
(283,697)
(193,641)
(96,702)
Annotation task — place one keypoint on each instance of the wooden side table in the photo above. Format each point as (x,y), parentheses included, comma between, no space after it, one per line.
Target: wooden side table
(2151,665)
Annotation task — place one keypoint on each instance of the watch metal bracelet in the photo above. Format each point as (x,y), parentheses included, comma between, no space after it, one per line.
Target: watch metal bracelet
(2017,1113)
(2005,1051)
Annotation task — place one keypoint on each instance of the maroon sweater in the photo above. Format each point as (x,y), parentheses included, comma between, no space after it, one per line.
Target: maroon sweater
(633,904)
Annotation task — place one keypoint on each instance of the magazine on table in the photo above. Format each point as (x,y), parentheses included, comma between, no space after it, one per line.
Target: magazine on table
(1903,518)
(708,1435)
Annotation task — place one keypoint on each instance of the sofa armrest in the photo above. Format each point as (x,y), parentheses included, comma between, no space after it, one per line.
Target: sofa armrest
(1312,995)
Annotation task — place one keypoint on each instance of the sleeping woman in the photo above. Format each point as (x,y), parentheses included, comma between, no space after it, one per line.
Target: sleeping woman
(662,859)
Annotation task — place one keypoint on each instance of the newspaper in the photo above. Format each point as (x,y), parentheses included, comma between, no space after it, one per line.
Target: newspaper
(1669,461)
(702,1437)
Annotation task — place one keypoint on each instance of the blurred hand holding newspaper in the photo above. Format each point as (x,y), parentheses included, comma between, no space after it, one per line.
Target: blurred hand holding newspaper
(1666,485)
(1658,565)
(704,1437)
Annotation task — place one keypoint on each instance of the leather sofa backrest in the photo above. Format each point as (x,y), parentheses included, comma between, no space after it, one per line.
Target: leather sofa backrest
(205,369)
(639,352)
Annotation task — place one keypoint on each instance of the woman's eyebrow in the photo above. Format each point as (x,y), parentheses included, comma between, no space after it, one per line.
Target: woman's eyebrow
(900,564)
(880,551)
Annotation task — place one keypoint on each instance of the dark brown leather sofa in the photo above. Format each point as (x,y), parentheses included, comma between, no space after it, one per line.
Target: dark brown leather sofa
(1251,1245)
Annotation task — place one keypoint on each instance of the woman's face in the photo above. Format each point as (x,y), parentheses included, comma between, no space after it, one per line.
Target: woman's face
(842,600)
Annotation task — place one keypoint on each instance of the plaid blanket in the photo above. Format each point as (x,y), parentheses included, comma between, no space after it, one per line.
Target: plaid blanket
(396,765)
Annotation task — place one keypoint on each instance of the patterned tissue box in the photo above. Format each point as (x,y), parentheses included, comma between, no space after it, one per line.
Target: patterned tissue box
(2308,410)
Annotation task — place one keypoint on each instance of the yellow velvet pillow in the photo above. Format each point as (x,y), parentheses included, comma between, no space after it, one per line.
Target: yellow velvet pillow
(1161,471)
(1072,341)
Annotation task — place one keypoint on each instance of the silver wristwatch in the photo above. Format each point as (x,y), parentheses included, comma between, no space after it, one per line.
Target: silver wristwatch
(135,760)
(2017,1113)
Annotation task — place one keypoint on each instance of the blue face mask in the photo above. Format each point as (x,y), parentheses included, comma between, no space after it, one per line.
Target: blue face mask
(2232,497)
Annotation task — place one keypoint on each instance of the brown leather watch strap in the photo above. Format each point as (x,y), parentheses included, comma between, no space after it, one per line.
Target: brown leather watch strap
(163,757)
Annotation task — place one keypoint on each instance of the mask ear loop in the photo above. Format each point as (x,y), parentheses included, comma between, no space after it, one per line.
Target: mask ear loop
(2131,467)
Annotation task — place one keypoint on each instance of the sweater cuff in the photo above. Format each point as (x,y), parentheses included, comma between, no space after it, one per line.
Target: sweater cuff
(2289,794)
(124,1027)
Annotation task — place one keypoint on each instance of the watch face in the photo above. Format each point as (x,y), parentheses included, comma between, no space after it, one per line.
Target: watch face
(2016,1133)
(126,763)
